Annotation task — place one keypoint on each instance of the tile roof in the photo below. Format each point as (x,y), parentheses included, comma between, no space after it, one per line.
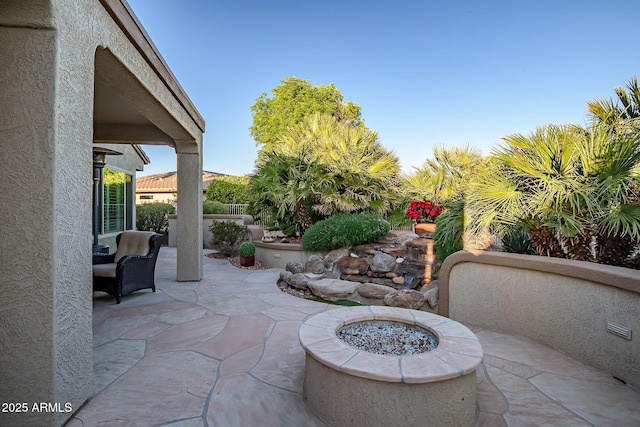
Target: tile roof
(167,182)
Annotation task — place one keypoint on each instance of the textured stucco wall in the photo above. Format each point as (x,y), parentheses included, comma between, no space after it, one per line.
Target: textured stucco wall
(47,58)
(27,247)
(341,399)
(563,309)
(189,227)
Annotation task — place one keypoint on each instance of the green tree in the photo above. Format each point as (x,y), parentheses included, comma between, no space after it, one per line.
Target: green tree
(291,102)
(229,189)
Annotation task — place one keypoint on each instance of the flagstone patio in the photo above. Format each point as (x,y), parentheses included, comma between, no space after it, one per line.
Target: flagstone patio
(224,352)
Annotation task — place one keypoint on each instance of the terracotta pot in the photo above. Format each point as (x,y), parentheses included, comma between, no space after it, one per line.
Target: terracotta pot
(424,227)
(247,261)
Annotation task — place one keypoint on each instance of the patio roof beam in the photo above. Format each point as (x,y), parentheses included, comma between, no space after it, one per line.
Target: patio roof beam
(130,134)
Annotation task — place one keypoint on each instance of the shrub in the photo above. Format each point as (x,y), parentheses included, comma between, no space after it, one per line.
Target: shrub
(344,230)
(516,240)
(214,207)
(450,227)
(398,219)
(246,249)
(227,236)
(228,189)
(153,216)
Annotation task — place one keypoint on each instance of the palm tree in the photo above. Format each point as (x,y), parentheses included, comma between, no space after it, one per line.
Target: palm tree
(285,185)
(321,166)
(535,186)
(359,173)
(611,164)
(566,184)
(625,108)
(447,175)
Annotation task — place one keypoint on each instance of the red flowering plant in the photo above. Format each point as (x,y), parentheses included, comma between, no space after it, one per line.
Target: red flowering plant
(424,210)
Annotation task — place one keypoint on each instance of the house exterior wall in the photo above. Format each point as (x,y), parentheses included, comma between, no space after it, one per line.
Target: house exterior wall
(29,161)
(46,135)
(129,162)
(158,197)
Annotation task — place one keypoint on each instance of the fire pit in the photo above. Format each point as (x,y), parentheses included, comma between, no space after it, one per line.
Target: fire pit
(346,385)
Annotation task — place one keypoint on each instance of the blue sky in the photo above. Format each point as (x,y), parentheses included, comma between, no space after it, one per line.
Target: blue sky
(424,72)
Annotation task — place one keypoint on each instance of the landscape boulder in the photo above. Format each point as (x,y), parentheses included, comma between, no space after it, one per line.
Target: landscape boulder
(405,299)
(382,263)
(314,266)
(332,289)
(299,281)
(353,265)
(294,267)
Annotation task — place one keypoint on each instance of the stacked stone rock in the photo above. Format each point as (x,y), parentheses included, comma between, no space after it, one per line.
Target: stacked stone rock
(397,275)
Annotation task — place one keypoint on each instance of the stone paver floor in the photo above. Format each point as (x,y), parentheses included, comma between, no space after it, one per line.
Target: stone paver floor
(224,352)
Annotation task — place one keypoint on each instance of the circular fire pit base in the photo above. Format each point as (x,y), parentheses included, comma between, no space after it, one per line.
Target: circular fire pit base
(347,386)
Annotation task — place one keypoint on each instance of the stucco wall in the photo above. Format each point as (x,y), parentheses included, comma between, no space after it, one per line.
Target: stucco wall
(564,304)
(27,175)
(47,69)
(207,221)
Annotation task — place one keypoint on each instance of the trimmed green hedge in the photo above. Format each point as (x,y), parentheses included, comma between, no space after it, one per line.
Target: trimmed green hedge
(345,230)
(213,207)
(153,216)
(229,189)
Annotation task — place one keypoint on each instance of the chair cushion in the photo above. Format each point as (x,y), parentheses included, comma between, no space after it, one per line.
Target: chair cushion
(133,243)
(105,270)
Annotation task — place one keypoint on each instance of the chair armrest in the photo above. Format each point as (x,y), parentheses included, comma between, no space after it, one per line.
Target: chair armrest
(132,260)
(99,258)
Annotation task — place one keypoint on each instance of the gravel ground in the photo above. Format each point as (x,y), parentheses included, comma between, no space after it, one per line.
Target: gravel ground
(235,261)
(388,338)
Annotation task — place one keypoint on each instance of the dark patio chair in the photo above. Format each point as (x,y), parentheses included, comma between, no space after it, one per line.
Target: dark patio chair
(131,267)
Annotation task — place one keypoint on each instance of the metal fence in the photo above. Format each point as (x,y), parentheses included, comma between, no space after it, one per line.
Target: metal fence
(236,208)
(266,217)
(240,209)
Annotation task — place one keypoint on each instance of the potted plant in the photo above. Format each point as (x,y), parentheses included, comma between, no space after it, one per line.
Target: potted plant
(424,212)
(247,252)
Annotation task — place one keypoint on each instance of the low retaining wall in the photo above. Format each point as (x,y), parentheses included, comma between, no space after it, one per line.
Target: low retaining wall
(567,305)
(277,255)
(207,220)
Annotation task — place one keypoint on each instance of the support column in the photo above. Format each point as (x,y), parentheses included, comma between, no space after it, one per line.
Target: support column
(189,214)
(46,352)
